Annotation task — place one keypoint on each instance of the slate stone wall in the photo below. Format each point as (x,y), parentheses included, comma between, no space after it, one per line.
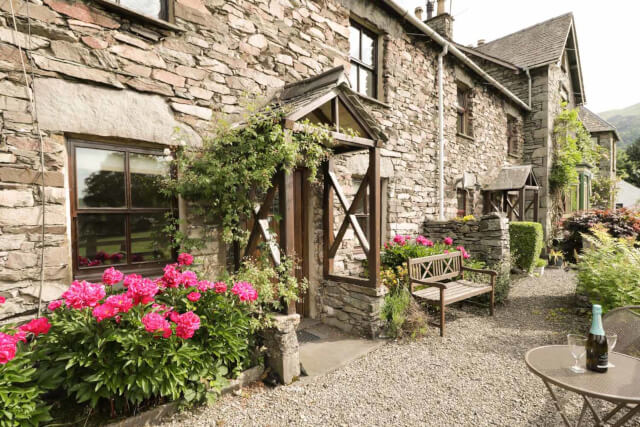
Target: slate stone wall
(105,76)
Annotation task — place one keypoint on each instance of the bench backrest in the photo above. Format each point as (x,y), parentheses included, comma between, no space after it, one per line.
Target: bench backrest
(435,268)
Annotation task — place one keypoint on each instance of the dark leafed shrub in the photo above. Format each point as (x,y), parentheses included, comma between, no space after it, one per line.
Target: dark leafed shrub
(618,223)
(526,243)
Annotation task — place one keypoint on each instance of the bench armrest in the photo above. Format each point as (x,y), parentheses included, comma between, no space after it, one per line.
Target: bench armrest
(491,273)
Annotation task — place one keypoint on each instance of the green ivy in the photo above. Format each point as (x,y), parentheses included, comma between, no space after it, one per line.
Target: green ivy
(236,165)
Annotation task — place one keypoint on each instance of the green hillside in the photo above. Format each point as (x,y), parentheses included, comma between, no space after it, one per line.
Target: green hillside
(627,120)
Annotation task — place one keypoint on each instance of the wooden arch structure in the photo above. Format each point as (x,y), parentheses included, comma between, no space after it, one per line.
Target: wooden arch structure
(325,99)
(508,194)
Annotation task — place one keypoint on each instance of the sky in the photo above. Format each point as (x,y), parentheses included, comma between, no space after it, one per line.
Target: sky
(608,37)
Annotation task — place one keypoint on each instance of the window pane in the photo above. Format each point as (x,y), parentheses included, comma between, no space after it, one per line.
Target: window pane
(366,83)
(367,49)
(462,99)
(354,42)
(353,77)
(148,241)
(101,240)
(347,121)
(461,123)
(100,178)
(145,7)
(146,172)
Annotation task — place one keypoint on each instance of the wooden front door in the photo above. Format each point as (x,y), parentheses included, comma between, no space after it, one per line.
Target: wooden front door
(301,233)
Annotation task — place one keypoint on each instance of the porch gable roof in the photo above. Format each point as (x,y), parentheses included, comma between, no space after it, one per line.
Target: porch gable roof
(513,178)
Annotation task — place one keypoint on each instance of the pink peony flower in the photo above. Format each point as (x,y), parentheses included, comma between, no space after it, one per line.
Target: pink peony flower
(466,255)
(36,326)
(54,305)
(220,287)
(244,291)
(185,259)
(142,291)
(448,241)
(3,300)
(194,296)
(186,324)
(421,240)
(173,316)
(172,277)
(83,294)
(7,348)
(400,239)
(154,322)
(111,276)
(104,311)
(130,278)
(189,279)
(20,336)
(445,251)
(204,285)
(122,302)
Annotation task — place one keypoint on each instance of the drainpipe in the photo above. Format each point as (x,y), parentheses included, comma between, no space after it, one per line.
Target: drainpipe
(526,70)
(441,55)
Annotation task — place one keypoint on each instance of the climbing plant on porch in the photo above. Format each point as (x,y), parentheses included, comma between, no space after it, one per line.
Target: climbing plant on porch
(236,165)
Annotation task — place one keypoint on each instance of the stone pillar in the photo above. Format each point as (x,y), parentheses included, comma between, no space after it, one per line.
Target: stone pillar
(282,347)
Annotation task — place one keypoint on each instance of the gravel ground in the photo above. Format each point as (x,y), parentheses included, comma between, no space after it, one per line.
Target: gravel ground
(475,376)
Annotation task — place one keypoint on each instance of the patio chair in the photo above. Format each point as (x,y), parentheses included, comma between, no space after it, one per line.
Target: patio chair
(625,322)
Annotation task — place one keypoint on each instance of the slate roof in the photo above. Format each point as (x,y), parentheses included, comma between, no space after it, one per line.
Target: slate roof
(595,123)
(532,47)
(511,178)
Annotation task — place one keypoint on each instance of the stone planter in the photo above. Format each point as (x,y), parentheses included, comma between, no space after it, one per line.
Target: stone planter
(281,342)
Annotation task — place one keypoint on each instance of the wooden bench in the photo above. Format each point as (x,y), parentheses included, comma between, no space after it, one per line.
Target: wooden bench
(431,272)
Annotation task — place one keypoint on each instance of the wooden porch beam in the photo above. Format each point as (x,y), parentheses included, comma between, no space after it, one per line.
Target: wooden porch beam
(374,217)
(521,208)
(352,141)
(327,220)
(350,217)
(260,213)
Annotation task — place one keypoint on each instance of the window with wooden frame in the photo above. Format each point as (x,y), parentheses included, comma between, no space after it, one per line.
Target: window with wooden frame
(362,210)
(156,12)
(118,210)
(364,55)
(463,109)
(513,136)
(461,196)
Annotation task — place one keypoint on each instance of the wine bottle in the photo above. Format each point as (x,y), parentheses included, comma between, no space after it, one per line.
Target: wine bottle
(597,349)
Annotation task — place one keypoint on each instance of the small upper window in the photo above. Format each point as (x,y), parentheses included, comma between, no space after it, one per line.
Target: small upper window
(464,117)
(363,45)
(154,8)
(513,136)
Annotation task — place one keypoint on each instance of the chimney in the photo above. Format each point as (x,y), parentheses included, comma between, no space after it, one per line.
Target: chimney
(481,42)
(429,9)
(443,22)
(418,13)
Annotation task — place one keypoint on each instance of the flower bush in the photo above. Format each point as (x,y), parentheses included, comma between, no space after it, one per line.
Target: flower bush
(117,348)
(619,223)
(402,247)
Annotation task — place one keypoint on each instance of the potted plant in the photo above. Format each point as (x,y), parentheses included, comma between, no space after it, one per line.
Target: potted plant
(556,258)
(539,267)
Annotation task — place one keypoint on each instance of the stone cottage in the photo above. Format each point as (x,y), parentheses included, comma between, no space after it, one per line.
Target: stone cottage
(92,92)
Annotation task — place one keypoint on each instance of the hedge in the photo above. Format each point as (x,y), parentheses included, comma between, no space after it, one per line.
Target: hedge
(526,243)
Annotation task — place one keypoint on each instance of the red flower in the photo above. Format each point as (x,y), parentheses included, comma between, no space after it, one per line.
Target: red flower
(186,324)
(111,276)
(104,311)
(3,300)
(220,287)
(185,259)
(7,348)
(122,302)
(194,296)
(83,294)
(36,326)
(154,322)
(448,241)
(142,291)
(54,305)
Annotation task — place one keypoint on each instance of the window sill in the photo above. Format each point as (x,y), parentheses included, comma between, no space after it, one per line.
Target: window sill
(138,16)
(514,155)
(148,270)
(372,100)
(462,135)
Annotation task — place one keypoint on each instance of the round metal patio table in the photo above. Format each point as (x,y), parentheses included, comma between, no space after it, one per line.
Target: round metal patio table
(619,385)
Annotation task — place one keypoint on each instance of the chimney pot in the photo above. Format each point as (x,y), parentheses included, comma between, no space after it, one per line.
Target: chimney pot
(481,42)
(441,9)
(418,13)
(429,10)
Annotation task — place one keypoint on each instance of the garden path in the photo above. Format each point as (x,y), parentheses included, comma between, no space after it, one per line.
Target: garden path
(475,376)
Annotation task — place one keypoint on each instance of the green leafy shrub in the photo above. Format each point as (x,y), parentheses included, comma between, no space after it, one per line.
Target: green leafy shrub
(526,239)
(21,401)
(401,248)
(394,311)
(609,271)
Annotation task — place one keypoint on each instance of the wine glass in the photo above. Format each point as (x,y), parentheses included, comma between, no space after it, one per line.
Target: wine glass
(612,339)
(578,347)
